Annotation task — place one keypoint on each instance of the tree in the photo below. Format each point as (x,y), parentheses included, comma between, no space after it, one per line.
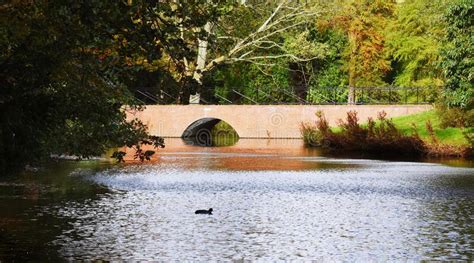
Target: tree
(458,55)
(327,77)
(247,83)
(60,76)
(363,22)
(176,28)
(414,43)
(281,62)
(249,31)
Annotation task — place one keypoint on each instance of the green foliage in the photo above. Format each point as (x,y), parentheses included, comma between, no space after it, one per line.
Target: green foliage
(254,83)
(327,84)
(364,59)
(155,141)
(414,42)
(357,43)
(61,68)
(272,63)
(284,79)
(119,156)
(223,135)
(364,22)
(314,135)
(300,44)
(327,73)
(454,116)
(458,55)
(223,127)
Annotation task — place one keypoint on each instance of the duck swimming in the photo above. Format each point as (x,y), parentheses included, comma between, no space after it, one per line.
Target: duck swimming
(205,212)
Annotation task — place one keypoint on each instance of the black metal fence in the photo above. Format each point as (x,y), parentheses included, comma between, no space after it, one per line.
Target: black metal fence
(319,96)
(375,95)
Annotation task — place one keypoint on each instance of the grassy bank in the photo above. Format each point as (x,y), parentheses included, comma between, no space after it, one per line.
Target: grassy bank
(419,134)
(452,136)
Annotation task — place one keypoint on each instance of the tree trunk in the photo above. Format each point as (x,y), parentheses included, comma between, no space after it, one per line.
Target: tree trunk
(184,95)
(298,80)
(351,99)
(200,64)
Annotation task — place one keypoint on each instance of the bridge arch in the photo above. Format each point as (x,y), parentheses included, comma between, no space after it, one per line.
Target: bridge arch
(199,132)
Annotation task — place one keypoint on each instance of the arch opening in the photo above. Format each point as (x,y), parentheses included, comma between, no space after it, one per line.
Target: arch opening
(210,132)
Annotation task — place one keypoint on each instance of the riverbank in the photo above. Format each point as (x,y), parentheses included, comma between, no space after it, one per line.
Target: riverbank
(412,135)
(450,135)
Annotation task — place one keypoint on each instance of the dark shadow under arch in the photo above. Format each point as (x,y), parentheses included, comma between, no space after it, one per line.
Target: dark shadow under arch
(199,132)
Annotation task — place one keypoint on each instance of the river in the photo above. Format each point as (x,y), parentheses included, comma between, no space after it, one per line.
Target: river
(272,200)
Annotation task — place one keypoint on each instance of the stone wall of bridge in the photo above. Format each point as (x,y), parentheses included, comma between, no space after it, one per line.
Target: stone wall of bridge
(258,121)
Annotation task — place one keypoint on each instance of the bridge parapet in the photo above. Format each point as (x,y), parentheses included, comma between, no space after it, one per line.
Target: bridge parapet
(259,121)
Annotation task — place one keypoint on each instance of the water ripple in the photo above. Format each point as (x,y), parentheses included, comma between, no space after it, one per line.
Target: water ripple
(378,211)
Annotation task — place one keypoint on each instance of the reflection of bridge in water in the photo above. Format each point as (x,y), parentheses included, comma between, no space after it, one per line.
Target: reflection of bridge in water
(255,121)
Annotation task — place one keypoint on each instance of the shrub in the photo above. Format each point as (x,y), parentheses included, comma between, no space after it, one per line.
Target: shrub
(455,117)
(377,137)
(435,148)
(311,135)
(316,134)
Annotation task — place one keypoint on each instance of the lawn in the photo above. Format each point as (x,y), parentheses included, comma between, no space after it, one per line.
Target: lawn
(452,136)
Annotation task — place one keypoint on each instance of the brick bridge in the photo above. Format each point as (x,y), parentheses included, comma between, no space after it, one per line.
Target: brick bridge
(255,121)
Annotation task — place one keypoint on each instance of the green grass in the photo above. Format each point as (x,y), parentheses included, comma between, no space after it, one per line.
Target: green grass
(453,136)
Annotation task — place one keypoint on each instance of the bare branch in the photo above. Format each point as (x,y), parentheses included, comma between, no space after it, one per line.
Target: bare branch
(242,46)
(282,19)
(264,25)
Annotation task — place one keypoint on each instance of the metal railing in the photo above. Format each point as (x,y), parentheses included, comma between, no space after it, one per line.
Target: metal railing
(319,96)
(376,95)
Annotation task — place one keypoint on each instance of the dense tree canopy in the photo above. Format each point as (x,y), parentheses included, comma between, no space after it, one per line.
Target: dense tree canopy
(60,75)
(360,44)
(414,41)
(458,54)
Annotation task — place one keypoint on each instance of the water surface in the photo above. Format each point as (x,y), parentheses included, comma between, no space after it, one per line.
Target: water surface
(271,199)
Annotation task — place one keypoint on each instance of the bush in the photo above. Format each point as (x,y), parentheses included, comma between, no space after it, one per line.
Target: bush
(380,137)
(455,117)
(311,135)
(377,137)
(315,134)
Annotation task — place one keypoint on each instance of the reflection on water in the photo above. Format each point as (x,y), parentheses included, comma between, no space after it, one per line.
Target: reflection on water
(210,132)
(271,199)
(205,139)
